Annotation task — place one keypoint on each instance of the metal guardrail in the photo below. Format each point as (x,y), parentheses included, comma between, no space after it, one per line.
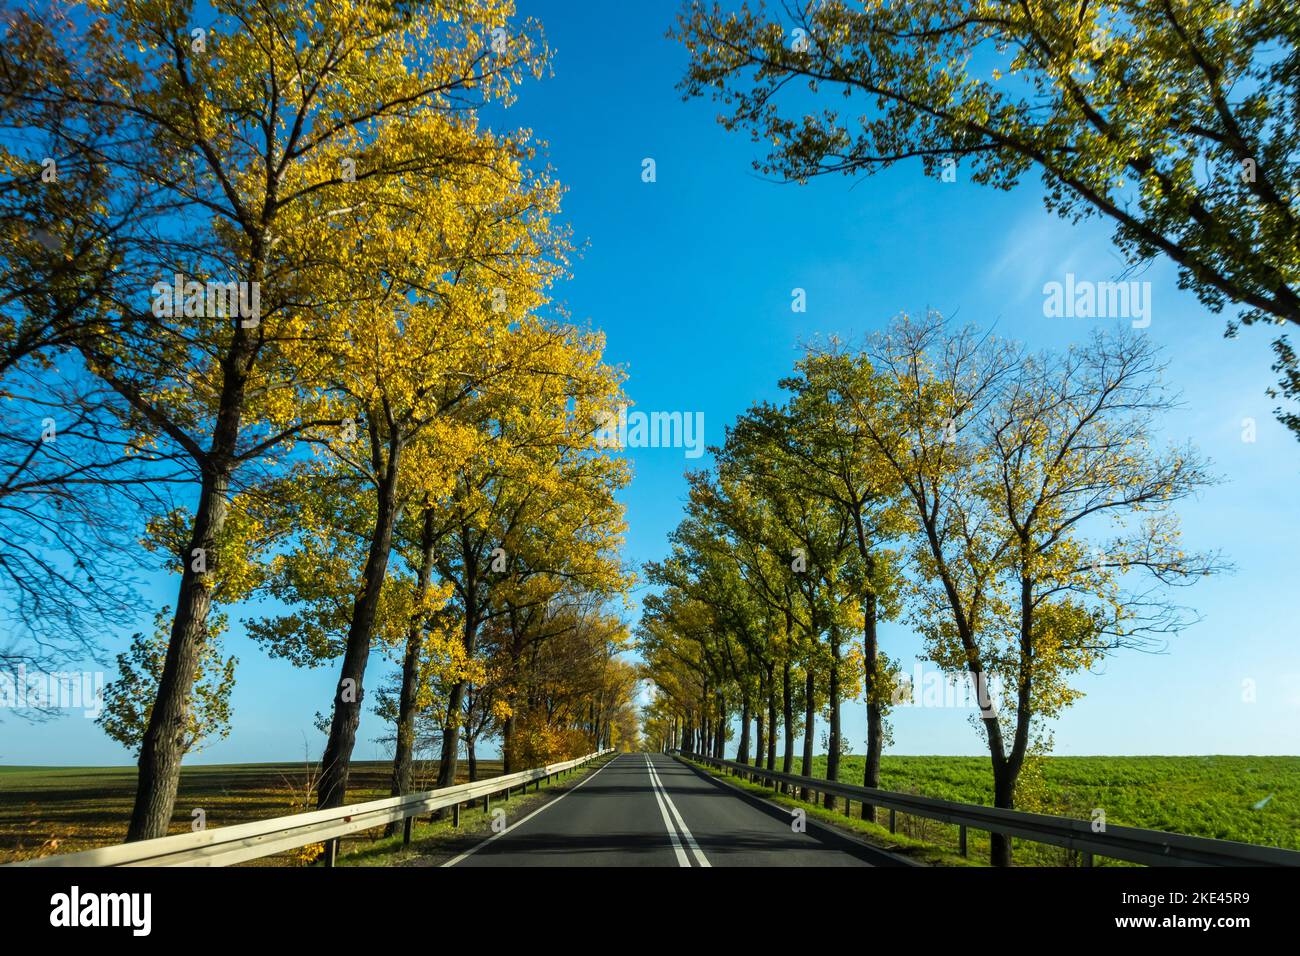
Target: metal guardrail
(1134,845)
(224,846)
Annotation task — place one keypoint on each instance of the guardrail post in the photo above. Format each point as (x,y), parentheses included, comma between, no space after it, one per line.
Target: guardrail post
(1087,858)
(893,822)
(487,797)
(331,853)
(455,814)
(406,830)
(961,840)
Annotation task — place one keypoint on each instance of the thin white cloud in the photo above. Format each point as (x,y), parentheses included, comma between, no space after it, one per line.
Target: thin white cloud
(1039,247)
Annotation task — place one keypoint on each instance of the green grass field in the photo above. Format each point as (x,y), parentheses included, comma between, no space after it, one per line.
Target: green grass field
(47,810)
(1248,799)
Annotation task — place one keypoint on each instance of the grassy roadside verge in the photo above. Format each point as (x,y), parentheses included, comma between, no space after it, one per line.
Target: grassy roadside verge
(53,810)
(919,851)
(1247,799)
(433,842)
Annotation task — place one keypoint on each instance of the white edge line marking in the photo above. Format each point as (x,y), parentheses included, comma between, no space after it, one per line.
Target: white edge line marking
(682,858)
(474,849)
(686,831)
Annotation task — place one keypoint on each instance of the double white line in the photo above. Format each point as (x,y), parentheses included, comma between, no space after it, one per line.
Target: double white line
(666,805)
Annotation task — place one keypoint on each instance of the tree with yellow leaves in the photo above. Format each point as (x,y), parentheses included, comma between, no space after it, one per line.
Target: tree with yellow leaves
(574,692)
(252,128)
(810,449)
(419,373)
(781,466)
(1011,466)
(534,504)
(760,581)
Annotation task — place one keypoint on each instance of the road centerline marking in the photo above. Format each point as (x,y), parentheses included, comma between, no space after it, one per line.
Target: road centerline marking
(686,831)
(682,858)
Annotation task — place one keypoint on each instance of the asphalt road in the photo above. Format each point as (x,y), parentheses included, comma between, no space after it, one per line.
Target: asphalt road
(652,810)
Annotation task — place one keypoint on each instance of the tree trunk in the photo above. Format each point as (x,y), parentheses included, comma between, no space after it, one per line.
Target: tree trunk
(1003,783)
(809,727)
(875,710)
(403,759)
(833,743)
(507,744)
(720,739)
(1006,771)
(508,727)
(455,704)
(787,716)
(760,739)
(708,703)
(771,721)
(337,761)
(163,745)
(742,751)
(1004,790)
(471,758)
(456,699)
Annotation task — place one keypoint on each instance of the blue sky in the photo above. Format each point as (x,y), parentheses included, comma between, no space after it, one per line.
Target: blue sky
(691,277)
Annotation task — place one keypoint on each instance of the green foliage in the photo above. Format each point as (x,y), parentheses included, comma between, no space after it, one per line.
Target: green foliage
(129,699)
(1175,119)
